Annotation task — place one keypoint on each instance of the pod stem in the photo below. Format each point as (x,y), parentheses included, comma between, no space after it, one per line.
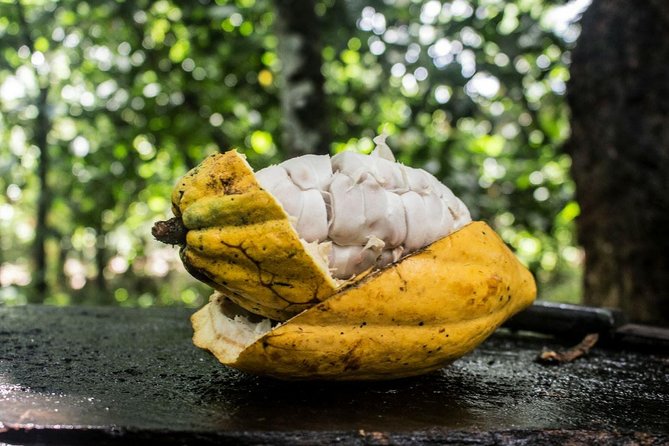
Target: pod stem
(171,232)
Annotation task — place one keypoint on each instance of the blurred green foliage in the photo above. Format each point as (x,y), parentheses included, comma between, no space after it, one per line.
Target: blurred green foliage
(139,92)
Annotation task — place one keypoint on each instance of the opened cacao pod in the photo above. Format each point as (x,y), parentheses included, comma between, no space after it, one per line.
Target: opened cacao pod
(350,267)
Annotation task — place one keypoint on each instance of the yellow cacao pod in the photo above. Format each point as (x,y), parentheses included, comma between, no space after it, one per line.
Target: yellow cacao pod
(413,315)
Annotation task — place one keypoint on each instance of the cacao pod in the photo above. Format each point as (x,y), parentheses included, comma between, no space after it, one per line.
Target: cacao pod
(354,267)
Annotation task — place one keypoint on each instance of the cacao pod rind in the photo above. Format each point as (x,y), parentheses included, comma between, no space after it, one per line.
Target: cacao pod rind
(409,318)
(240,239)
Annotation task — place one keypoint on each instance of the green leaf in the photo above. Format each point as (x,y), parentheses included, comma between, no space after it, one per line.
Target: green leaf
(491,145)
(179,50)
(261,142)
(569,212)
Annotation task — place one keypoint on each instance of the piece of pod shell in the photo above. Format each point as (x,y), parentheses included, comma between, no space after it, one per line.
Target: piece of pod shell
(409,318)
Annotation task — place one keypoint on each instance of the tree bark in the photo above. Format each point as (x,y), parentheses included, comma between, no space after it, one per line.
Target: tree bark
(619,97)
(303,105)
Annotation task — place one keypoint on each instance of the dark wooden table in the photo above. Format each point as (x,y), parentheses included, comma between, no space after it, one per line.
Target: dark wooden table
(119,376)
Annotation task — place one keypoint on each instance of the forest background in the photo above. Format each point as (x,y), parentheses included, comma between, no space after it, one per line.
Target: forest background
(105,104)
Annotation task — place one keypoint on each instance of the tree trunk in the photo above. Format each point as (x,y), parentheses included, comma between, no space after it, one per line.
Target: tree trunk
(40,135)
(305,126)
(42,127)
(100,264)
(619,97)
(63,250)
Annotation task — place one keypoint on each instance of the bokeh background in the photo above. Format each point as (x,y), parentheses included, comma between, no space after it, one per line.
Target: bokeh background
(105,104)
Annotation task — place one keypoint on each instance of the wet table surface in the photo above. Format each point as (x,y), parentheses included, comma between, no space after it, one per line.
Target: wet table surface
(111,376)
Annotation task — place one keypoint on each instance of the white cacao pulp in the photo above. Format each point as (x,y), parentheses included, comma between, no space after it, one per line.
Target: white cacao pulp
(362,211)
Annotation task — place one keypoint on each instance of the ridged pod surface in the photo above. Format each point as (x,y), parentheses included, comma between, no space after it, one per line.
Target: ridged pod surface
(407,319)
(240,241)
